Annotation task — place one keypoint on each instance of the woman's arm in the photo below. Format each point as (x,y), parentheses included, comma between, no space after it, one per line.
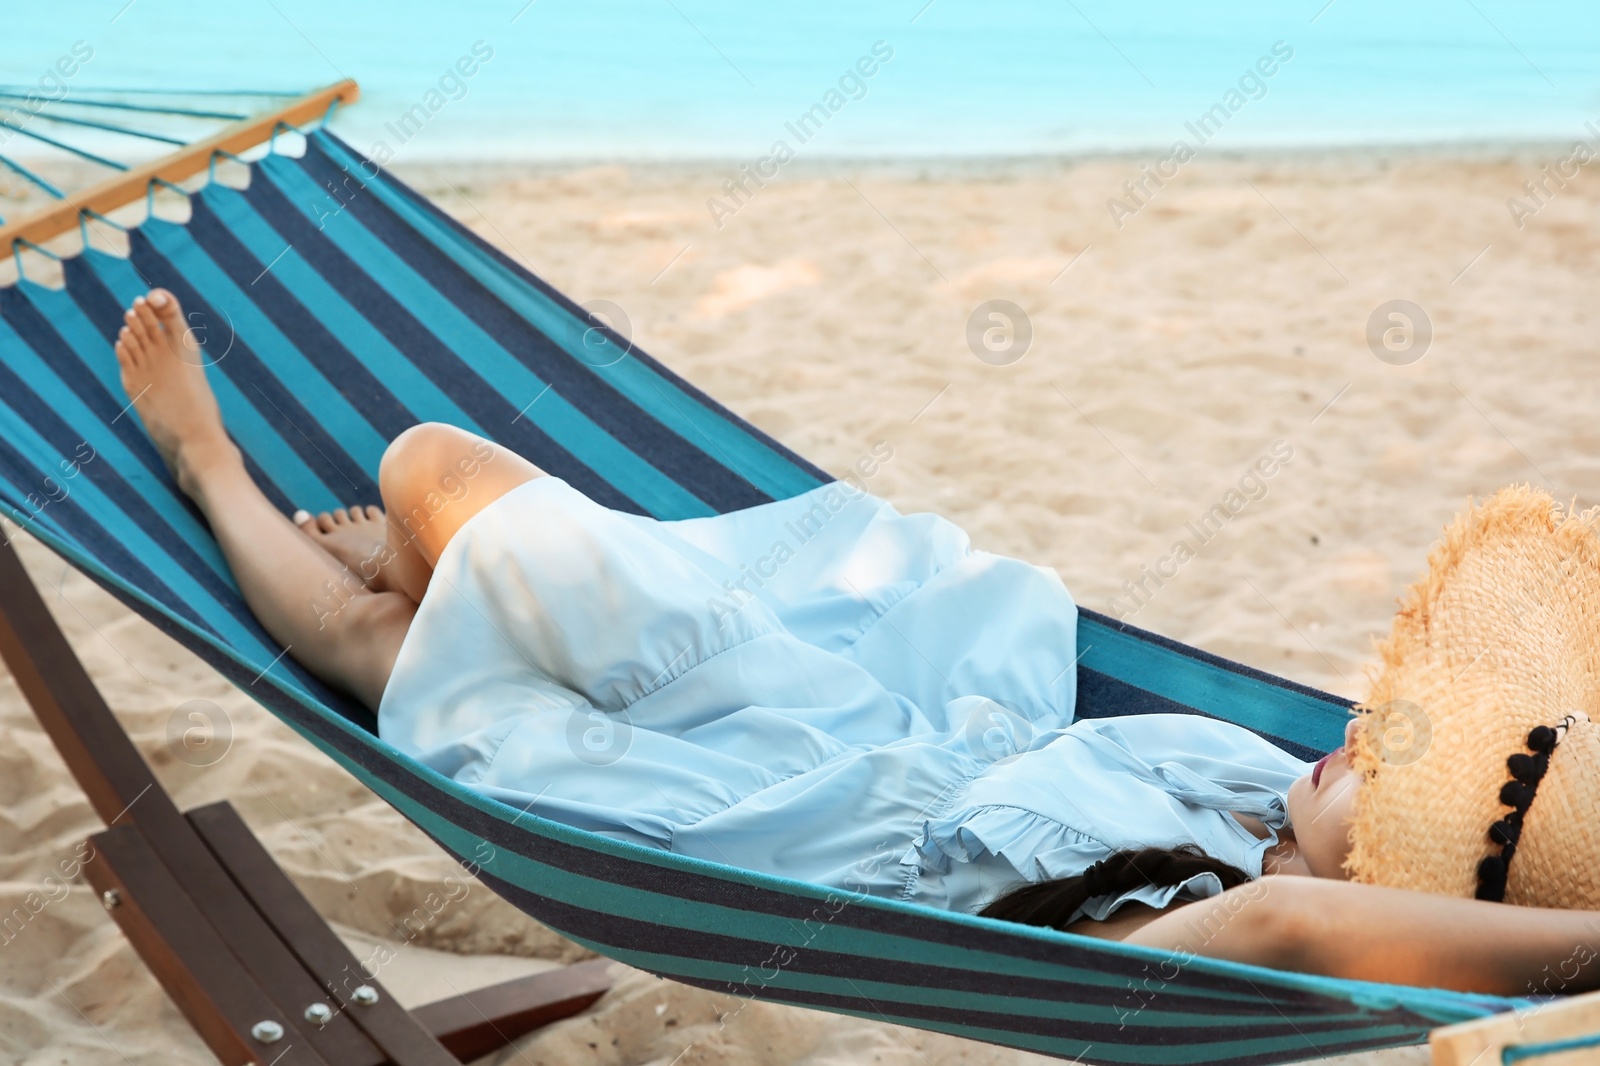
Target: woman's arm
(1371,933)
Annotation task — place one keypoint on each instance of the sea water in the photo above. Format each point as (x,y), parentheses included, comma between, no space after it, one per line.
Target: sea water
(716,79)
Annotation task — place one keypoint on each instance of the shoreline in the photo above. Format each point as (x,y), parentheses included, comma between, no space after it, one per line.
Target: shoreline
(1488,150)
(1467,150)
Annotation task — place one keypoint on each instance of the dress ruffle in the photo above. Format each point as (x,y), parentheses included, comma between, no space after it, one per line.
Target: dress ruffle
(1102,786)
(1037,849)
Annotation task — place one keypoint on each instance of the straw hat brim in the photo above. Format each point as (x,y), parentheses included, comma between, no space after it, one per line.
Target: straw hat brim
(1501,635)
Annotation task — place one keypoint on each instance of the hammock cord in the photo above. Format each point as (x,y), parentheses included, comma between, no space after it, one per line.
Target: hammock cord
(16,254)
(108,90)
(63,145)
(34,178)
(187,112)
(128,131)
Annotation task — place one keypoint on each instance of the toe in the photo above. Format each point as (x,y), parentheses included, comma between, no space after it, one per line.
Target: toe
(126,349)
(135,326)
(341,517)
(147,317)
(302,518)
(374,514)
(167,310)
(325,522)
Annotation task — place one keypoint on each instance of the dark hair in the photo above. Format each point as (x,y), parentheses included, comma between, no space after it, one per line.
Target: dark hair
(1053,903)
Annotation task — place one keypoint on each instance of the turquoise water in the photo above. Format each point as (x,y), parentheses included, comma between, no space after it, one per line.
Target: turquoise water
(710,78)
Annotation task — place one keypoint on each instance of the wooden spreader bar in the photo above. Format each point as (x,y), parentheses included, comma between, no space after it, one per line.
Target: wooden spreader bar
(131,184)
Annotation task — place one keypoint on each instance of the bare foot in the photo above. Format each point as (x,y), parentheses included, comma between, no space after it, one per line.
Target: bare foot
(358,538)
(164,376)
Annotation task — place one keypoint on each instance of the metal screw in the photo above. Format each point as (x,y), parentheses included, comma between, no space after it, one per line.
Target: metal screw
(110,898)
(319,1014)
(366,995)
(268,1032)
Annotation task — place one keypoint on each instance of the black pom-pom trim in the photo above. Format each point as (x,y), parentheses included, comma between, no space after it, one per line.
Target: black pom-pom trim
(1524,768)
(1517,794)
(1526,773)
(1492,878)
(1542,738)
(1506,831)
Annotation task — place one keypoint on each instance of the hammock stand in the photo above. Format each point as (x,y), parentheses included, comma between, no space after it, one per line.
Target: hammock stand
(313,387)
(237,947)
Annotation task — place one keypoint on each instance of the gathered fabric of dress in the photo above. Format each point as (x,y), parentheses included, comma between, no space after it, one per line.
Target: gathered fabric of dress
(819,688)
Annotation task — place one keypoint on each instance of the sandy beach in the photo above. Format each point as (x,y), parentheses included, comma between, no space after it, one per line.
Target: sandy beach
(1237,312)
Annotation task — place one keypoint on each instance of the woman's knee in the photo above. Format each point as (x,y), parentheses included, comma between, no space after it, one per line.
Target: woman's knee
(435,476)
(426,469)
(427,449)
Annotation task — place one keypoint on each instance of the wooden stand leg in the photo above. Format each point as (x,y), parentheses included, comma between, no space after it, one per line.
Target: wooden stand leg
(486,1019)
(361,997)
(467,1026)
(122,789)
(227,1008)
(1563,1032)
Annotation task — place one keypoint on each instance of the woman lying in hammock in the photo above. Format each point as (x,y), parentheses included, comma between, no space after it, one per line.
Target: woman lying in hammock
(824,689)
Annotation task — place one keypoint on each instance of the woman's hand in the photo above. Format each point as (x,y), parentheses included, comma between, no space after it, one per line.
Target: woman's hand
(1372,933)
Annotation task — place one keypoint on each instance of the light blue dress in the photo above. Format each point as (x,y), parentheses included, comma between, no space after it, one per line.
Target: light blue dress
(820,688)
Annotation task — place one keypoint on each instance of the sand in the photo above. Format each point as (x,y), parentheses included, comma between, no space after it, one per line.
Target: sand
(1225,318)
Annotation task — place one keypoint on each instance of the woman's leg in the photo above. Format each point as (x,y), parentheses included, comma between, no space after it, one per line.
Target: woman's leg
(340,590)
(343,632)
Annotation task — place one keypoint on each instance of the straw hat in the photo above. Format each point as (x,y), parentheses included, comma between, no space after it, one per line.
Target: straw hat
(1481,750)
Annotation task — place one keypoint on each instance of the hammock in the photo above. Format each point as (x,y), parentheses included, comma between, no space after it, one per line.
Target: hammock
(340,307)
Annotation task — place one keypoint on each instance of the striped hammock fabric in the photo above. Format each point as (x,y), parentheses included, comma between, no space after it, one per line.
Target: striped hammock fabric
(339,307)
